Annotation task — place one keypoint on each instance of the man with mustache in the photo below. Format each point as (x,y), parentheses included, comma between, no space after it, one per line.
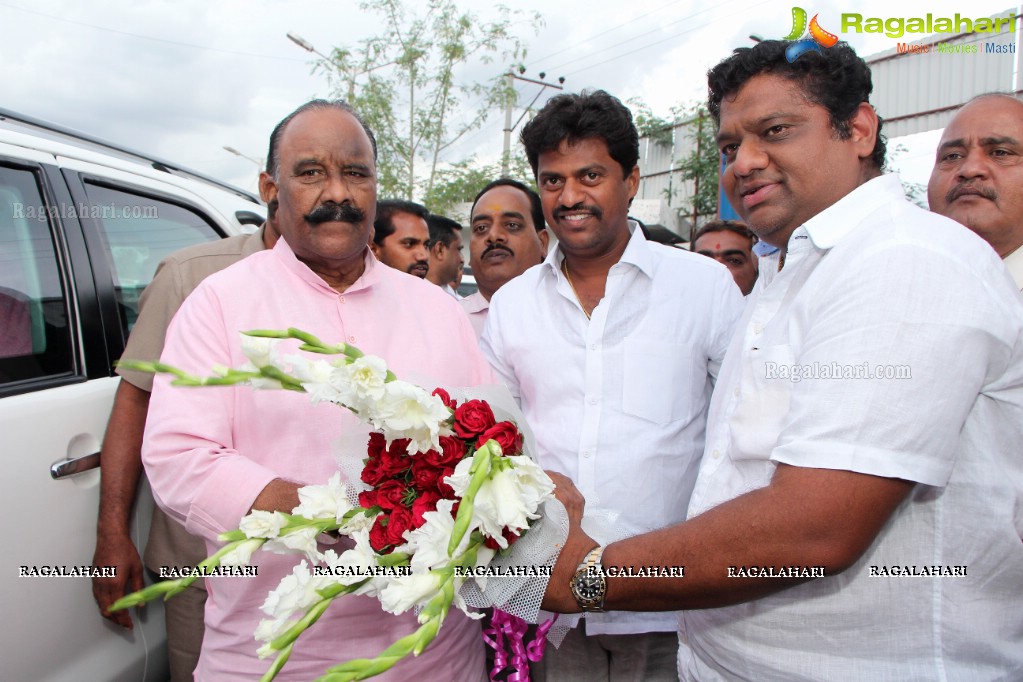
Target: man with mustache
(507,237)
(611,347)
(978,175)
(214,455)
(859,508)
(401,237)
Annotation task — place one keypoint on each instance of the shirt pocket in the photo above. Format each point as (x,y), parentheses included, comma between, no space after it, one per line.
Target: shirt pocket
(763,402)
(661,383)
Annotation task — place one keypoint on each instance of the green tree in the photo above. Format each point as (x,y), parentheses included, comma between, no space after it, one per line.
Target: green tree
(461,181)
(701,165)
(406,83)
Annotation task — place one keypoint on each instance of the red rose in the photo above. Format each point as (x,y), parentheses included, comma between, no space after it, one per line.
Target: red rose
(390,495)
(443,488)
(445,398)
(377,444)
(373,473)
(451,453)
(378,536)
(507,436)
(472,418)
(398,521)
(425,476)
(367,499)
(426,502)
(395,459)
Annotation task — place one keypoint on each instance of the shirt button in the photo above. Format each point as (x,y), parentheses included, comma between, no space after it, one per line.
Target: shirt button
(716,454)
(736,391)
(593,401)
(341,299)
(351,339)
(586,455)
(593,346)
(757,328)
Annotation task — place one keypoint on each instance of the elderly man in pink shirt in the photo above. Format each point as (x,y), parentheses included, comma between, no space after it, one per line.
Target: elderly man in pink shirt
(214,454)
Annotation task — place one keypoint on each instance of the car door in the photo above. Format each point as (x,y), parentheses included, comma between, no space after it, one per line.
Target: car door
(76,249)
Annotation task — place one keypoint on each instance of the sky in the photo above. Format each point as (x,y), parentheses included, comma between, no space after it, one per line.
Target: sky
(183,79)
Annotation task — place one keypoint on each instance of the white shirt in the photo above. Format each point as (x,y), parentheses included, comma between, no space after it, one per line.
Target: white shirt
(618,403)
(1014,261)
(476,307)
(875,283)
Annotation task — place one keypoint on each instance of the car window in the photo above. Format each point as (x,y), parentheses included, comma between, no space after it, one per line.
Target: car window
(138,232)
(35,336)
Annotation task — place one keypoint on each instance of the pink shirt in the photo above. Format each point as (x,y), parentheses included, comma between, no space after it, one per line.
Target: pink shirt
(209,452)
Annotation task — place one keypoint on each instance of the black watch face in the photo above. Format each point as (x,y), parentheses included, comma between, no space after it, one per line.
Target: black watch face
(590,587)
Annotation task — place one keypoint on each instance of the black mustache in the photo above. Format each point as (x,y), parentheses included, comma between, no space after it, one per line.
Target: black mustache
(963,188)
(497,247)
(562,210)
(336,213)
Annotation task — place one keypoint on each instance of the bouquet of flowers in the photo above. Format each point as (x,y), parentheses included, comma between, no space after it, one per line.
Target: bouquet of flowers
(449,488)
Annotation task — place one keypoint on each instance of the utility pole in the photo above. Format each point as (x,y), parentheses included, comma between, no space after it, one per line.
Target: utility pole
(512,97)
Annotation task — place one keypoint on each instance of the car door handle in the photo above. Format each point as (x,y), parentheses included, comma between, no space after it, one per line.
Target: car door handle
(70,467)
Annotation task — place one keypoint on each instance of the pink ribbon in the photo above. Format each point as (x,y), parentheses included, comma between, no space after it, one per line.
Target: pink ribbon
(506,626)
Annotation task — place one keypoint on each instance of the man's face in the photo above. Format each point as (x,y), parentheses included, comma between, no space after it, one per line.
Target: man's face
(406,249)
(504,242)
(585,198)
(978,173)
(733,250)
(445,260)
(325,192)
(784,161)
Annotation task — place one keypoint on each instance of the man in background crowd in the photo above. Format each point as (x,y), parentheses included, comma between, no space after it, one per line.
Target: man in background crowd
(978,175)
(169,543)
(507,237)
(730,243)
(401,238)
(445,252)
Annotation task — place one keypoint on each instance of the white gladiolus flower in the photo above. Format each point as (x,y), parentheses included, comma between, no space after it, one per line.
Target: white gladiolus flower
(361,384)
(508,498)
(301,541)
(260,351)
(408,591)
(262,524)
(242,554)
(428,544)
(408,411)
(311,371)
(323,501)
(345,568)
(294,594)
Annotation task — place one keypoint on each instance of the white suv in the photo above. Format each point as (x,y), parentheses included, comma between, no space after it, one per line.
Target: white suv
(83,225)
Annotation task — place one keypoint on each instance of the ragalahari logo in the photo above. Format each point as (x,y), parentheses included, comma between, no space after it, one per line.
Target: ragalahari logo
(807,39)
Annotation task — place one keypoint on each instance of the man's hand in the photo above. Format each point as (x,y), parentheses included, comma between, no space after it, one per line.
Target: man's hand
(119,551)
(558,597)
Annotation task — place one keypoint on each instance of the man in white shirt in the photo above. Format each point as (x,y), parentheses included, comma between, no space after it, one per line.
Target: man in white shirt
(866,424)
(507,237)
(978,175)
(611,347)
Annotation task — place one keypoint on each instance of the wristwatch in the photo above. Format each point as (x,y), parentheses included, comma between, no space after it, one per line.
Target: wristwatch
(588,585)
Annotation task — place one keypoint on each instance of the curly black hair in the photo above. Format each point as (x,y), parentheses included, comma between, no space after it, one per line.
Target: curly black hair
(588,115)
(834,78)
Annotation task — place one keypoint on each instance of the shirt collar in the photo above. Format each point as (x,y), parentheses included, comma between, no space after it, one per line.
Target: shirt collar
(828,227)
(291,262)
(474,303)
(637,253)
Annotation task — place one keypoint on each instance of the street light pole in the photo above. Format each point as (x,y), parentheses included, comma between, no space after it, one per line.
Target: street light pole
(512,96)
